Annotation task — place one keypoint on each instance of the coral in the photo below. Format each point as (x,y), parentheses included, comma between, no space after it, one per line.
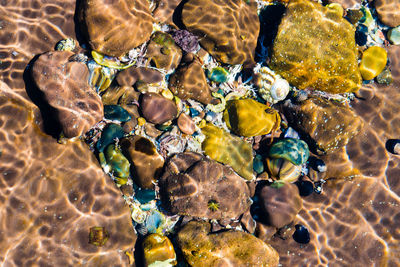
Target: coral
(388,12)
(65,88)
(228,149)
(315,47)
(228,248)
(145,159)
(189,82)
(115,27)
(157,109)
(326,125)
(280,204)
(247,117)
(373,62)
(163,52)
(158,251)
(294,150)
(204,188)
(227,29)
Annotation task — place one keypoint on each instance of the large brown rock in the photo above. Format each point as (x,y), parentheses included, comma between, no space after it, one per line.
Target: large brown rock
(189,81)
(52,194)
(229,248)
(280,204)
(327,125)
(388,12)
(157,109)
(196,186)
(147,163)
(115,27)
(227,29)
(66,89)
(315,48)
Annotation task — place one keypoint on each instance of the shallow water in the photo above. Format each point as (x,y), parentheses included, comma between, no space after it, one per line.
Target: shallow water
(353,223)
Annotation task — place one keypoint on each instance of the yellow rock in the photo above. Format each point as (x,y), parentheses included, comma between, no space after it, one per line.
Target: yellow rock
(228,149)
(158,251)
(373,62)
(247,117)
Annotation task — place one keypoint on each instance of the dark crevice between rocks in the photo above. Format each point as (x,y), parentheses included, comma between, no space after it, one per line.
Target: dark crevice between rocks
(51,124)
(177,15)
(80,28)
(138,254)
(270,18)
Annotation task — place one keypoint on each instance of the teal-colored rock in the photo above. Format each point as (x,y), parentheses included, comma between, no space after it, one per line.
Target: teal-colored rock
(294,150)
(145,195)
(394,35)
(109,134)
(116,112)
(218,75)
(258,165)
(118,163)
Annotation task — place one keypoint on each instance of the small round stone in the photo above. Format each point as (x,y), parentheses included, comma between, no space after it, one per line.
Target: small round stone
(393,146)
(318,187)
(306,188)
(394,35)
(186,124)
(301,235)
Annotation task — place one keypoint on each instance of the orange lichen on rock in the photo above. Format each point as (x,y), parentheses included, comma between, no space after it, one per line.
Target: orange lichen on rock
(115,27)
(315,48)
(227,29)
(66,89)
(51,195)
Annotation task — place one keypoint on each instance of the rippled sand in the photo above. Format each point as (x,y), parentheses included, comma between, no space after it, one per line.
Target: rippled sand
(353,223)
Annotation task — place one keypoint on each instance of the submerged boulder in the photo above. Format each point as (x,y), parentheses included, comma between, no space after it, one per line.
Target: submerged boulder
(315,48)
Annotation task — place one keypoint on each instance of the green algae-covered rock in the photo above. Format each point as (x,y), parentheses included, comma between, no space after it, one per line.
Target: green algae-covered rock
(315,48)
(228,149)
(294,150)
(229,248)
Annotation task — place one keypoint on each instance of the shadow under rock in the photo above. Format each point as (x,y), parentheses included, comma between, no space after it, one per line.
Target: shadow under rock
(80,29)
(51,125)
(177,15)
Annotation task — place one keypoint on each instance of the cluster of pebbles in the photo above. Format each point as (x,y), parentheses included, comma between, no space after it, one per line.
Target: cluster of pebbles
(212,132)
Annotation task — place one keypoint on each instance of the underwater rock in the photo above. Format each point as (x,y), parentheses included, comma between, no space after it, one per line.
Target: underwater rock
(248,117)
(132,75)
(373,62)
(189,82)
(228,149)
(115,27)
(394,35)
(66,89)
(228,248)
(119,165)
(326,125)
(283,170)
(227,29)
(280,204)
(100,77)
(115,112)
(145,159)
(52,195)
(186,40)
(157,109)
(108,136)
(158,251)
(315,47)
(218,75)
(68,44)
(348,4)
(388,12)
(294,150)
(163,52)
(205,189)
(301,235)
(165,10)
(186,124)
